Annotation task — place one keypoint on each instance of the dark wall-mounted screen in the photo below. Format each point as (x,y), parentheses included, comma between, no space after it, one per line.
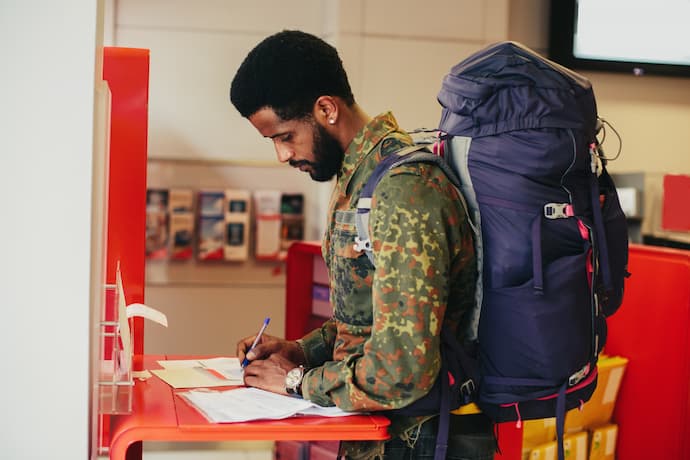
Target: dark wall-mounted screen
(634,36)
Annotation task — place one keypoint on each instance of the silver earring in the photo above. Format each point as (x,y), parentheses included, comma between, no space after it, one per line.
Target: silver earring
(331,121)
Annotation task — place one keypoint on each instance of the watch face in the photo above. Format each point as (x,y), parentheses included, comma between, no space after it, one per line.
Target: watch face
(293,378)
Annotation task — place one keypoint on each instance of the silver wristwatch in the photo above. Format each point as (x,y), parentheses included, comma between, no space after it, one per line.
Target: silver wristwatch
(293,381)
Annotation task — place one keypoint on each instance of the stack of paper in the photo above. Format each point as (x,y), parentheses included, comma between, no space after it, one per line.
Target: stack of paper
(244,404)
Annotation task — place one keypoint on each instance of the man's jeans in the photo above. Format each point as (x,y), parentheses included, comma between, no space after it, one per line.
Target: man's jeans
(471,437)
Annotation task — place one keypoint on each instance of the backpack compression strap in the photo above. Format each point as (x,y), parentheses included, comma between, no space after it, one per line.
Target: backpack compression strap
(411,154)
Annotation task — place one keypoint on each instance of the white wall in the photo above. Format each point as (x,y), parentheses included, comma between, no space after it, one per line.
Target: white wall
(48,52)
(195,49)
(395,52)
(652,115)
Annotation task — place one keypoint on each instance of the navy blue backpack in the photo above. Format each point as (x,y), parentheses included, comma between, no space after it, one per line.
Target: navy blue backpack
(518,137)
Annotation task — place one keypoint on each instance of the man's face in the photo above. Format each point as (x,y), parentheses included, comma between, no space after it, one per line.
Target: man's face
(303,144)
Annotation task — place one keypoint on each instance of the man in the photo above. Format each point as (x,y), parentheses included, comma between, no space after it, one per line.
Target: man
(380,351)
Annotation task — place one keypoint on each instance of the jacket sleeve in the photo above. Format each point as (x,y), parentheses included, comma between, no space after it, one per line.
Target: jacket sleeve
(318,344)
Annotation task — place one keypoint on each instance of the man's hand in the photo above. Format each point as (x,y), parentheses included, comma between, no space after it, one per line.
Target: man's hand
(268,374)
(269,346)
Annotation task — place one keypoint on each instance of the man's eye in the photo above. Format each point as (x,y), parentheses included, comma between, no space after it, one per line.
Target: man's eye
(286,138)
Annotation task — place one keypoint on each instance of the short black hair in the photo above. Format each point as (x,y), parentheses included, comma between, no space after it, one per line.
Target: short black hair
(288,72)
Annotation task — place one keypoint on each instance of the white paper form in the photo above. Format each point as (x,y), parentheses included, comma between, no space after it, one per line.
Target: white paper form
(245,404)
(144,311)
(229,368)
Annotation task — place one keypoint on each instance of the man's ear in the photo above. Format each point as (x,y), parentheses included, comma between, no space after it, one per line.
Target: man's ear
(326,111)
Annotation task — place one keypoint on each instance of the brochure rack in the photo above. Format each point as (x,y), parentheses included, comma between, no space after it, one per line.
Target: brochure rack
(115,379)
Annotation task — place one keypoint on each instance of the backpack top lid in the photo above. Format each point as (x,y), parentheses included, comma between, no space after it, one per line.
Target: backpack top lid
(507,86)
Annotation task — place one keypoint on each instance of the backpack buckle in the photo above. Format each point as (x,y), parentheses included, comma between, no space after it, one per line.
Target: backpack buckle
(468,388)
(558,210)
(362,245)
(578,376)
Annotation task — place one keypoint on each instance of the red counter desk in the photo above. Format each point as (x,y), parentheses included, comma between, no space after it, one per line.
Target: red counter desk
(158,414)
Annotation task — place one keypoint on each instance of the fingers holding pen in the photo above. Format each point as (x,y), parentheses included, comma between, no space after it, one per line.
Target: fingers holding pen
(266,345)
(257,339)
(243,346)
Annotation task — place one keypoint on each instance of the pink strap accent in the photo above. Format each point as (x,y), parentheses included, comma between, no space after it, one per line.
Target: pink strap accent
(518,423)
(584,231)
(589,267)
(451,379)
(438,148)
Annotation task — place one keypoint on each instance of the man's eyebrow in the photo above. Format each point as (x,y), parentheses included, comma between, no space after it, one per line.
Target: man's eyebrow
(273,136)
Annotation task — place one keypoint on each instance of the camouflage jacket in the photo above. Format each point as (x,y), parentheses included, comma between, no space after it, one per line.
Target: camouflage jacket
(380,351)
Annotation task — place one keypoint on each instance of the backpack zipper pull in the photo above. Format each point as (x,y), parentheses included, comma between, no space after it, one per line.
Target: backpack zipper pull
(595,162)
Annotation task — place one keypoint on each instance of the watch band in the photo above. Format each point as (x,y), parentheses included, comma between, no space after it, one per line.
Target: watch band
(296,391)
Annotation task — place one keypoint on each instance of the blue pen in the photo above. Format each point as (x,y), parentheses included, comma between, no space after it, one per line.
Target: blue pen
(256,340)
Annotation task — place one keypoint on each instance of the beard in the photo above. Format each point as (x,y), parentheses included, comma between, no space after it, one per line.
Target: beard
(328,156)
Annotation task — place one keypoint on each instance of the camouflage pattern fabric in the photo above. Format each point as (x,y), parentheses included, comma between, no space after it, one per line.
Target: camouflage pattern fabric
(380,351)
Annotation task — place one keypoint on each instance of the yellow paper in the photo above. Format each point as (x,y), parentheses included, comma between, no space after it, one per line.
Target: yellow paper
(200,373)
(192,377)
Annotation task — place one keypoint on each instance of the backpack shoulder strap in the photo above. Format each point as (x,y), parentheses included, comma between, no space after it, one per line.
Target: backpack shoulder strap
(459,364)
(411,154)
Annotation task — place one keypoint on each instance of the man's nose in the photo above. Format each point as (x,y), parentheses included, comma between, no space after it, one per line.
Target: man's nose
(284,154)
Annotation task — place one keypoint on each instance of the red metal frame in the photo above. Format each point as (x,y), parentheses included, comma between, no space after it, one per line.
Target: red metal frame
(299,274)
(674,214)
(651,330)
(127,72)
